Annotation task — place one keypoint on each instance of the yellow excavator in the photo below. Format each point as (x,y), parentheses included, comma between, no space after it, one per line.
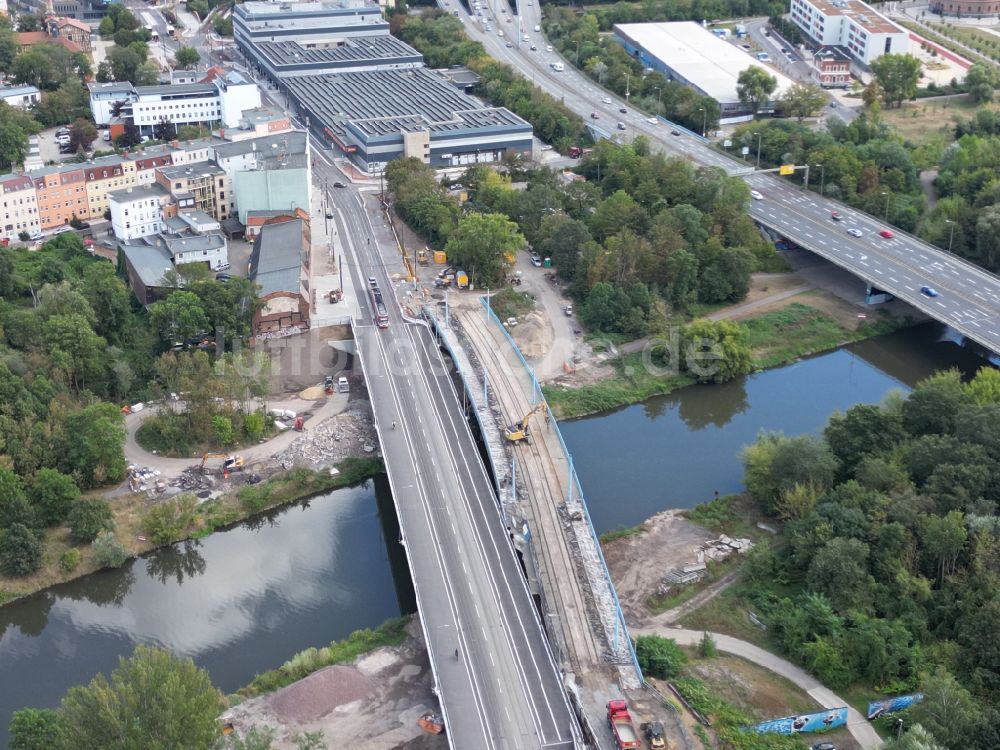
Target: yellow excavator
(229,462)
(515,433)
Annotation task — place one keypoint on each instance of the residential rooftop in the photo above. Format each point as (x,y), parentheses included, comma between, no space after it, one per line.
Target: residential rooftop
(862,14)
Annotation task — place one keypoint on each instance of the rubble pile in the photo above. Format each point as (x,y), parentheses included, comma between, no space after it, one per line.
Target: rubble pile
(144,479)
(192,480)
(714,549)
(350,433)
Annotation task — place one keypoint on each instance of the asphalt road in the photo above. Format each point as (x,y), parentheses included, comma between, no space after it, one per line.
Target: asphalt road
(968,297)
(502,690)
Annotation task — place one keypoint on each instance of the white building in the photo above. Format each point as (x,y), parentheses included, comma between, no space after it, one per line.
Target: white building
(20,96)
(104,97)
(862,31)
(688,53)
(137,211)
(222,99)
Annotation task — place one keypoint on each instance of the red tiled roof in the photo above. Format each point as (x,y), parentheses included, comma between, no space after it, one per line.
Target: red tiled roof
(29,38)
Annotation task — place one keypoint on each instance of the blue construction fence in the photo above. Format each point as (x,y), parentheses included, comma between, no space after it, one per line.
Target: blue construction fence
(575,488)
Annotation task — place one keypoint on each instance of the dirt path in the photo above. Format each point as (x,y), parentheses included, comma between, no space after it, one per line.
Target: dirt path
(738,311)
(671,616)
(860,729)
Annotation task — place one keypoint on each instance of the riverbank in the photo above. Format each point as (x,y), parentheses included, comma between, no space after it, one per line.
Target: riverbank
(240,501)
(795,327)
(365,692)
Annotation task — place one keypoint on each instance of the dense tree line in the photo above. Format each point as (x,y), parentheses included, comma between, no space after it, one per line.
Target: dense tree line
(128,59)
(639,237)
(889,574)
(442,40)
(74,346)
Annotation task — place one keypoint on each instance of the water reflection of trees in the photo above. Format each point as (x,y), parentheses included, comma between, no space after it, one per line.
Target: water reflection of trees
(103,587)
(29,615)
(178,562)
(702,406)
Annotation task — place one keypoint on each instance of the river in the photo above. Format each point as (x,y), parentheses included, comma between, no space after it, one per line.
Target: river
(675,451)
(238,602)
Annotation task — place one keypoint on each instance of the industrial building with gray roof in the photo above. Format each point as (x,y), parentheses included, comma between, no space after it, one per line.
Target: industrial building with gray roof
(286,59)
(380,115)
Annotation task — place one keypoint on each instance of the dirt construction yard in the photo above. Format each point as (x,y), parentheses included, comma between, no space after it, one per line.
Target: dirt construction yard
(372,704)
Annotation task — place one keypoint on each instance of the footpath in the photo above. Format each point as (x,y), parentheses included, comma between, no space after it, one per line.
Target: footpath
(860,729)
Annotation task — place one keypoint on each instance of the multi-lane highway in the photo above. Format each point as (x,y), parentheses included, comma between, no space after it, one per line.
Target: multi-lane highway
(968,298)
(498,683)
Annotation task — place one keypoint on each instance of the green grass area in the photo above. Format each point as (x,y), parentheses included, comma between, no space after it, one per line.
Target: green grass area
(939,38)
(983,42)
(715,570)
(166,435)
(390,633)
(928,119)
(631,385)
(510,303)
(727,613)
(798,330)
(622,532)
(735,515)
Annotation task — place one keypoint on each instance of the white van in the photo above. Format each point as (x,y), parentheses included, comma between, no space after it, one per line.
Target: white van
(537,27)
(558,67)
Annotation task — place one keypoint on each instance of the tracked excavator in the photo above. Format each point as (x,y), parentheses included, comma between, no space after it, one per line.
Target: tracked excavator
(517,432)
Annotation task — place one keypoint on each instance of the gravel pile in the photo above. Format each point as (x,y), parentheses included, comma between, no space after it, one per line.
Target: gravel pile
(319,694)
(350,433)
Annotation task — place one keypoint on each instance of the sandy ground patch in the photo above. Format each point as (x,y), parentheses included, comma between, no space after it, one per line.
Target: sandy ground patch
(637,563)
(372,704)
(763,285)
(844,312)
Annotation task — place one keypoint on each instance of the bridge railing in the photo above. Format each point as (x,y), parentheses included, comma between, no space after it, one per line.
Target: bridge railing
(574,488)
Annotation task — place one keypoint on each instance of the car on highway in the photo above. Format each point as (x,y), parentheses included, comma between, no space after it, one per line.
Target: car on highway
(745,46)
(756,195)
(594,116)
(929,291)
(675,132)
(499,32)
(621,125)
(509,45)
(329,214)
(606,99)
(623,110)
(548,47)
(537,27)
(339,184)
(886,233)
(652,120)
(854,232)
(836,215)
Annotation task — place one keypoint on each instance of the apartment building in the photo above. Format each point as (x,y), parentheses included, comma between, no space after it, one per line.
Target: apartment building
(851,24)
(20,96)
(832,68)
(18,206)
(138,211)
(203,186)
(73,29)
(61,194)
(105,175)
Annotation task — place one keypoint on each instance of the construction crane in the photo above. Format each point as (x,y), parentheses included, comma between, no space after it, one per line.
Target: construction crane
(515,433)
(229,463)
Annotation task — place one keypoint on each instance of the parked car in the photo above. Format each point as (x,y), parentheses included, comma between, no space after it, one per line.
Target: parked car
(536,260)
(63,230)
(929,291)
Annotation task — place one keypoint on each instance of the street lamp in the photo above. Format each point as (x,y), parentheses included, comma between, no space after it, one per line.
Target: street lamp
(822,179)
(887,196)
(704,121)
(578,53)
(951,235)
(659,107)
(759,139)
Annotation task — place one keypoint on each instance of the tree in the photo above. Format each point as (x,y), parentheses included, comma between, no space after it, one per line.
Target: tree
(20,551)
(840,571)
(754,87)
(12,499)
(984,388)
(897,75)
(186,57)
(915,738)
(944,538)
(716,351)
(164,130)
(981,82)
(95,455)
(934,404)
(178,317)
(562,238)
(154,701)
(88,518)
(52,495)
(862,431)
(660,657)
(987,239)
(34,729)
(82,133)
(948,711)
(803,99)
(482,244)
(775,463)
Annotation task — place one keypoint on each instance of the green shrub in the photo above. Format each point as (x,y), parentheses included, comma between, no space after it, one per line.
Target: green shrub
(20,551)
(168,521)
(707,647)
(69,560)
(659,657)
(253,426)
(108,551)
(88,518)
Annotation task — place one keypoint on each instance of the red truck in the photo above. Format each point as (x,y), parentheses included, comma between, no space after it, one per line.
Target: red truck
(620,723)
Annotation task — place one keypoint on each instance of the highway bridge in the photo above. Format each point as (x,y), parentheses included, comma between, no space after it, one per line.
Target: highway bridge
(499,685)
(963,296)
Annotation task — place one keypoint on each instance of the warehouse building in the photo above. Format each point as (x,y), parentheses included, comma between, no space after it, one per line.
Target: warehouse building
(279,60)
(377,116)
(690,54)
